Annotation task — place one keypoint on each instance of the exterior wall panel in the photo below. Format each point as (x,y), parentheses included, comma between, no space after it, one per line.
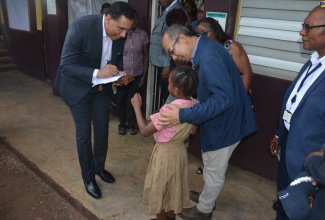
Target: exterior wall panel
(270,34)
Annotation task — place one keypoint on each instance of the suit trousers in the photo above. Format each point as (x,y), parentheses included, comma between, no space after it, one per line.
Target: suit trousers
(214,174)
(122,94)
(92,109)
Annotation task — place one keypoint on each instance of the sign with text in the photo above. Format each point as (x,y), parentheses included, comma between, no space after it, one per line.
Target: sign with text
(51,7)
(221,17)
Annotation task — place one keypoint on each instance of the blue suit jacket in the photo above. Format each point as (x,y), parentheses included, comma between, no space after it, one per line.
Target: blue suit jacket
(224,114)
(307,125)
(81,55)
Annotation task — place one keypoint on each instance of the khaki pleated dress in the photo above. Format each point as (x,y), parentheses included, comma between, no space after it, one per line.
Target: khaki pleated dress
(166,184)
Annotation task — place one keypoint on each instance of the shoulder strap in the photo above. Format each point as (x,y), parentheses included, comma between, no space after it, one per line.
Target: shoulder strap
(227,44)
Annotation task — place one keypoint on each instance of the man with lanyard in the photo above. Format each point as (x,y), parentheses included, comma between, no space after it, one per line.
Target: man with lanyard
(301,125)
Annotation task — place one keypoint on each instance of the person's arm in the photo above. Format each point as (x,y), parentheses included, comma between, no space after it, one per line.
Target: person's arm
(194,130)
(217,83)
(220,99)
(165,73)
(72,53)
(145,129)
(315,166)
(240,57)
(274,146)
(145,64)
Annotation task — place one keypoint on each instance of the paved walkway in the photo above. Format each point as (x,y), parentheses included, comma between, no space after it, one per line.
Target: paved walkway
(40,128)
(24,195)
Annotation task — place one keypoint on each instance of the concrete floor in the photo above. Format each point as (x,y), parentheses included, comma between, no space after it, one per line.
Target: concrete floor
(39,126)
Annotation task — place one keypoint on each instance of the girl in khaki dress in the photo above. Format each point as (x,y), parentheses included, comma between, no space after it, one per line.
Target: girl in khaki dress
(166,185)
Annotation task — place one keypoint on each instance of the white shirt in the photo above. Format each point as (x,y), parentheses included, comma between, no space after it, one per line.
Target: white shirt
(106,53)
(291,107)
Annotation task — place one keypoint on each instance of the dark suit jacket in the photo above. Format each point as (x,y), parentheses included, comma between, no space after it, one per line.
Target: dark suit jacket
(81,55)
(224,114)
(307,125)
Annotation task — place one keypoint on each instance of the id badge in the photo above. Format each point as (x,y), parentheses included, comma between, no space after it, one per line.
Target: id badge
(287,116)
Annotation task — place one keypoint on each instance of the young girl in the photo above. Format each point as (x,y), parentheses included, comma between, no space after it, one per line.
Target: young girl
(166,184)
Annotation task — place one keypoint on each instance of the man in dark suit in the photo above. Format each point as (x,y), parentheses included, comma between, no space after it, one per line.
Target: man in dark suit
(302,117)
(92,53)
(224,113)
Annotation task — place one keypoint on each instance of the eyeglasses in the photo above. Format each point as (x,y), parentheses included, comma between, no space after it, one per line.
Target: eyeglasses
(121,29)
(170,50)
(306,27)
(205,33)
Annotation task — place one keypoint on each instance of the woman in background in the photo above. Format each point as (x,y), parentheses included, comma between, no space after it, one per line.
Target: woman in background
(212,29)
(191,10)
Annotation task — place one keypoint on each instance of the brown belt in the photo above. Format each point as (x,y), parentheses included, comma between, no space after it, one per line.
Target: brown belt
(100,87)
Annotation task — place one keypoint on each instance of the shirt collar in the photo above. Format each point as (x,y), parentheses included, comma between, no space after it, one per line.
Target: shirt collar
(194,51)
(104,31)
(314,58)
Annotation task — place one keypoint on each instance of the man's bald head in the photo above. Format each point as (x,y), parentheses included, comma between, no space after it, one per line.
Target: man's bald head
(313,31)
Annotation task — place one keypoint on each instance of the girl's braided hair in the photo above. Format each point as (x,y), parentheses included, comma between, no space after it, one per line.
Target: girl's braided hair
(185,79)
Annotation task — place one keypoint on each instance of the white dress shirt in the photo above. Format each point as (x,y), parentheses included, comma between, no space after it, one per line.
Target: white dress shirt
(291,107)
(106,53)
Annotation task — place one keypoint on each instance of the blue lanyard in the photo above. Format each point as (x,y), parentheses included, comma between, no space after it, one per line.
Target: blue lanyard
(293,100)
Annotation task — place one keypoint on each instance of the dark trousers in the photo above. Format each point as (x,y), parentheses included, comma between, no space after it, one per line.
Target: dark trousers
(163,85)
(93,108)
(127,115)
(283,182)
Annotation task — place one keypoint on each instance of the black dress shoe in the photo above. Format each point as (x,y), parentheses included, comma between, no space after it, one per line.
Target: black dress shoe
(275,206)
(105,176)
(92,189)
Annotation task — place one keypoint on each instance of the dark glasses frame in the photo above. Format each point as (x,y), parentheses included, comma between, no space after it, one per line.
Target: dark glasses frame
(307,27)
(170,50)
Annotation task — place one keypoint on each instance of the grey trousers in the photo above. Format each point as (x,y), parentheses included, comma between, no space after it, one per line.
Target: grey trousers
(215,167)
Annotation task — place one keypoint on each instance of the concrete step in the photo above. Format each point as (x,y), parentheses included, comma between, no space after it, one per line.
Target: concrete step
(7,67)
(5,60)
(3,52)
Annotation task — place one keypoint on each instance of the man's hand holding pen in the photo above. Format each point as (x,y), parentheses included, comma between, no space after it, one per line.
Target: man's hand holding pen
(107,71)
(111,70)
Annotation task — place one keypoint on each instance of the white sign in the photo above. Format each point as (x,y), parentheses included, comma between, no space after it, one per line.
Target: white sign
(221,17)
(51,7)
